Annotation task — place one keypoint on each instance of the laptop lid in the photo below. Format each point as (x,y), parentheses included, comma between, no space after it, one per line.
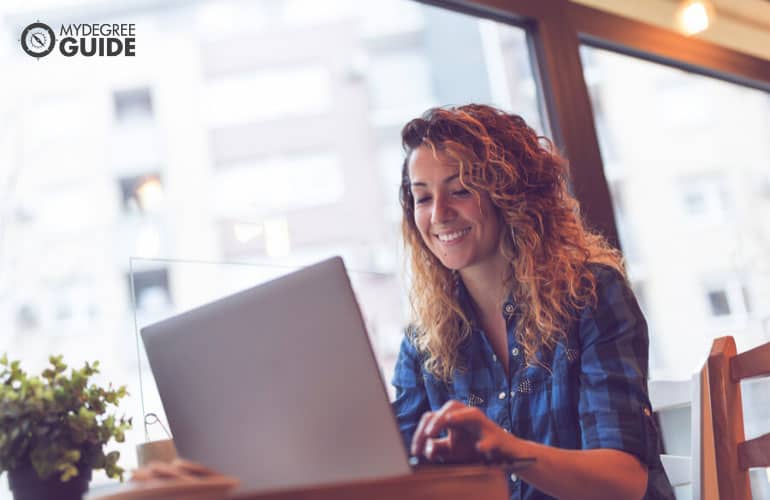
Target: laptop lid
(277,385)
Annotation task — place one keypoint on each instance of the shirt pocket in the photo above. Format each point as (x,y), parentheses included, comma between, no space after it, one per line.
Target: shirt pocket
(438,392)
(531,393)
(464,391)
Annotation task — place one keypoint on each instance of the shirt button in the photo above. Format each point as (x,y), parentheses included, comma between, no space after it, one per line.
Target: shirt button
(513,393)
(494,357)
(508,308)
(501,395)
(647,411)
(514,478)
(515,351)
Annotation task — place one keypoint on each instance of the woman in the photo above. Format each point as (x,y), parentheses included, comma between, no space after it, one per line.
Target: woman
(527,341)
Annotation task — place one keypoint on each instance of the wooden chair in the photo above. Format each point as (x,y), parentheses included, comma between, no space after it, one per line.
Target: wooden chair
(733,454)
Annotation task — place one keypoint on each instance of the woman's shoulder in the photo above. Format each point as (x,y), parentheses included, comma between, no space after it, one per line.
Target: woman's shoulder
(611,286)
(615,307)
(605,273)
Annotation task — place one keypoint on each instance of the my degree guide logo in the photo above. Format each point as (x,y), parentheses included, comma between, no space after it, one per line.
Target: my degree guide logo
(88,40)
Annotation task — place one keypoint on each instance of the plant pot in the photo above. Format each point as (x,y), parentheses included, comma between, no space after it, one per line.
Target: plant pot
(26,485)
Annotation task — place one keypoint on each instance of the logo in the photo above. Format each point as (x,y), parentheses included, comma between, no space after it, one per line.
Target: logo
(38,40)
(84,40)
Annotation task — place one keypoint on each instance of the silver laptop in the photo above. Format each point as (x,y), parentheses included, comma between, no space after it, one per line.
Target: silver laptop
(277,385)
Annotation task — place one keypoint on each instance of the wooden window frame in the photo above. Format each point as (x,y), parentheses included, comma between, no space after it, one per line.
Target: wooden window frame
(556,29)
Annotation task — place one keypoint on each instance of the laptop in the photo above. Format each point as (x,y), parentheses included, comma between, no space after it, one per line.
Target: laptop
(277,385)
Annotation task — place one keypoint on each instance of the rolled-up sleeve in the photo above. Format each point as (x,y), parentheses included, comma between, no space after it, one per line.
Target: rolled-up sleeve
(614,406)
(411,396)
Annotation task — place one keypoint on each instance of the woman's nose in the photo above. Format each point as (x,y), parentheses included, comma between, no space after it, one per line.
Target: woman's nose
(442,211)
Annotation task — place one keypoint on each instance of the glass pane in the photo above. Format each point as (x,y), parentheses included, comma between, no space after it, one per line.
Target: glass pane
(687,159)
(253,131)
(205,282)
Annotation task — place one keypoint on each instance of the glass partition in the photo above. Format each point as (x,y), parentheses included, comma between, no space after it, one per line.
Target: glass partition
(378,295)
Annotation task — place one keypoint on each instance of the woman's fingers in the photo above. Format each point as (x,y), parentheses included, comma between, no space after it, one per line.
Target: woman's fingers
(418,438)
(457,445)
(491,438)
(465,416)
(431,425)
(156,470)
(178,469)
(193,468)
(438,449)
(487,445)
(469,434)
(438,421)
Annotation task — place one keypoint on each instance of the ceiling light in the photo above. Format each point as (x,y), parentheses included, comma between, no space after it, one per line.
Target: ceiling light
(694,16)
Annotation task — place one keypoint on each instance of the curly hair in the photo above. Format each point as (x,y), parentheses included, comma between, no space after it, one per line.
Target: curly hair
(543,236)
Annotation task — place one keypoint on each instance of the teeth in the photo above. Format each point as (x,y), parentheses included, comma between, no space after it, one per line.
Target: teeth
(446,238)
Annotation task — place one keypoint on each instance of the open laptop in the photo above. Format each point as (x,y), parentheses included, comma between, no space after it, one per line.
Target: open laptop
(277,385)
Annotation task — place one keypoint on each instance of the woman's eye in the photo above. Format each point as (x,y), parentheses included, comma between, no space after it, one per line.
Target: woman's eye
(421,200)
(461,192)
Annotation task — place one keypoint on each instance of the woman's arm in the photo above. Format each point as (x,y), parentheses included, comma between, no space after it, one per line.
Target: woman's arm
(577,474)
(573,474)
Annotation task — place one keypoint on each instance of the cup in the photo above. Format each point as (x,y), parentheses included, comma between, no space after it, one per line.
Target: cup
(162,450)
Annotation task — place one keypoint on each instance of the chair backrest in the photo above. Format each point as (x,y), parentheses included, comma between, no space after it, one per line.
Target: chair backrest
(733,454)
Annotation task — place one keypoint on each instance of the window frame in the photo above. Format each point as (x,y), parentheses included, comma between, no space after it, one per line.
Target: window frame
(556,29)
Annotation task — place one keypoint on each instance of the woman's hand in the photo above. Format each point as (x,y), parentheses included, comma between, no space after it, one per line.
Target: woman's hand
(177,470)
(471,436)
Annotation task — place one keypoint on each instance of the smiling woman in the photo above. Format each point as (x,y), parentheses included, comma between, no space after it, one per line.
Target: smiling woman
(526,339)
(460,229)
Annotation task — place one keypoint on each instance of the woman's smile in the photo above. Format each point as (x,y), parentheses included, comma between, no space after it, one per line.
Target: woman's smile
(454,237)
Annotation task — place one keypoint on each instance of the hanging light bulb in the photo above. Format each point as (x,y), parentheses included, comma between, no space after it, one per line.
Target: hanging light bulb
(694,16)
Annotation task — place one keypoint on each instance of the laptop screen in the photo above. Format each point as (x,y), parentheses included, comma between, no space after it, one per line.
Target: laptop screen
(277,385)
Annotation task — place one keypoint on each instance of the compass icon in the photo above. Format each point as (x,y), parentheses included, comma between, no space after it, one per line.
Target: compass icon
(38,39)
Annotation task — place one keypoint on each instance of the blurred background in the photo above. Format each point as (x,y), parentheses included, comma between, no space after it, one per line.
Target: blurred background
(250,137)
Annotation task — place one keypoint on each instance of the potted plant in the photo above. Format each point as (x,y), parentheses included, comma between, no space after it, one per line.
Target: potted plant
(53,429)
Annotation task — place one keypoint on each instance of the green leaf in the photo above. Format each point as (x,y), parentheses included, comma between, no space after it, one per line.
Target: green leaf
(57,421)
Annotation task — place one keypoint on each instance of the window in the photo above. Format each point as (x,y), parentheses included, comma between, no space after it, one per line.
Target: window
(151,289)
(673,200)
(704,199)
(141,193)
(133,106)
(718,303)
(27,318)
(727,298)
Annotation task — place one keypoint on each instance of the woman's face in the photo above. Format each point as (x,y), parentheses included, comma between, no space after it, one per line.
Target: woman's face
(461,232)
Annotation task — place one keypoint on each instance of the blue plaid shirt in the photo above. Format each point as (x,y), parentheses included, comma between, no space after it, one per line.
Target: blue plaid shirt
(593,396)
